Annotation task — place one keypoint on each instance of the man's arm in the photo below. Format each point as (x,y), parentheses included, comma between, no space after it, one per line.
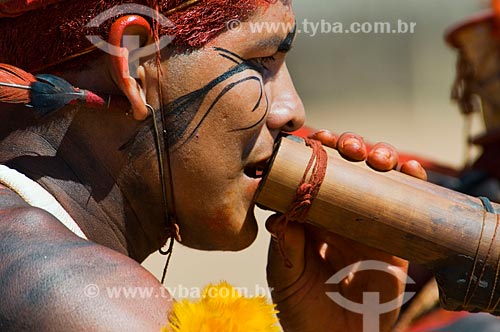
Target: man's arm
(51,280)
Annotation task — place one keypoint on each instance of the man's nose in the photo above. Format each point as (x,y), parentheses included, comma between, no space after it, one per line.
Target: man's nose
(286,109)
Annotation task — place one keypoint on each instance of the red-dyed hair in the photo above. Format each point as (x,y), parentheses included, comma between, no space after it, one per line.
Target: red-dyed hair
(44,37)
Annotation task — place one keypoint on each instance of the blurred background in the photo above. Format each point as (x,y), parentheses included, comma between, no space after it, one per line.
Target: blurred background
(386,87)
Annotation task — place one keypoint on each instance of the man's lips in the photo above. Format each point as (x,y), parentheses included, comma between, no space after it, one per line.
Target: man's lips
(258,169)
(255,171)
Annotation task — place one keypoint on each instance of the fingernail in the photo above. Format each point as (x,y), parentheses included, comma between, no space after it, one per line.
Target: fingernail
(382,153)
(352,143)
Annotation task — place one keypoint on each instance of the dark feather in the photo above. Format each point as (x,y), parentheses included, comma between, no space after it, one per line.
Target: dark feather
(51,93)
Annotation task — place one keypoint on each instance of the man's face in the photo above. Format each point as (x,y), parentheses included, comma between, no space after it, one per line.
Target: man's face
(225,106)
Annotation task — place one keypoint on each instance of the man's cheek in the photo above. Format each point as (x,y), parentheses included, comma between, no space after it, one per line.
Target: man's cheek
(244,107)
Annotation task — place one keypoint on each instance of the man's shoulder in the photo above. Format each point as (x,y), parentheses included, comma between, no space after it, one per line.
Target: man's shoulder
(48,271)
(18,217)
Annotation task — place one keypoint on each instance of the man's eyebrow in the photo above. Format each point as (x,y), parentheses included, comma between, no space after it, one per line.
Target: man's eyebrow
(277,43)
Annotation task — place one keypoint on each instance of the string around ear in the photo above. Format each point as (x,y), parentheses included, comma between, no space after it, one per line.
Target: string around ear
(44,93)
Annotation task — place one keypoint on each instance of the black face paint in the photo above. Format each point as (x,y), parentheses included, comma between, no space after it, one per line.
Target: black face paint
(179,114)
(286,45)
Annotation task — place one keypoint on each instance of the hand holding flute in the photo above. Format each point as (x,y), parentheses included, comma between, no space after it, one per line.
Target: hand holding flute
(316,255)
(454,235)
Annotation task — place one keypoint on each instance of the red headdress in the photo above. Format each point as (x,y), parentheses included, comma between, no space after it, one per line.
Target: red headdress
(35,34)
(10,8)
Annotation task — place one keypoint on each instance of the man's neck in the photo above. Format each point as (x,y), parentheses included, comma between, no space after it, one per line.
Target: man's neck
(84,169)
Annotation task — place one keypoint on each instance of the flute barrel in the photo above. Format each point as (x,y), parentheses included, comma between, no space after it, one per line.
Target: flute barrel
(448,232)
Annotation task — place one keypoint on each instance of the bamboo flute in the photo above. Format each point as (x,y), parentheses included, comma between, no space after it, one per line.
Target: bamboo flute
(406,217)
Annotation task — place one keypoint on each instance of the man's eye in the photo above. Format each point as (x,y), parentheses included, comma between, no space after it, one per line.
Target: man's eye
(264,62)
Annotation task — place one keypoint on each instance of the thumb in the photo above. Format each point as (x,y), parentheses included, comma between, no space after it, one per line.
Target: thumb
(292,249)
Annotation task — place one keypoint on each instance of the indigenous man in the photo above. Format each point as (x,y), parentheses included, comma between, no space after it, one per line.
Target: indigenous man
(220,98)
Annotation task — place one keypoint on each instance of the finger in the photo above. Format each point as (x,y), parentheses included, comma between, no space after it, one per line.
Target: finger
(413,168)
(383,157)
(342,252)
(352,147)
(326,137)
(280,275)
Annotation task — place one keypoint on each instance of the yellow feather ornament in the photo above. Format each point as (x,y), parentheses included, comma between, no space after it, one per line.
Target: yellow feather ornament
(223,309)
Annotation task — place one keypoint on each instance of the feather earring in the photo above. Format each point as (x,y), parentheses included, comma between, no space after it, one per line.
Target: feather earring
(44,93)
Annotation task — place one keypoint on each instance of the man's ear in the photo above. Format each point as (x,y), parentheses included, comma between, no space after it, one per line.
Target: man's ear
(140,31)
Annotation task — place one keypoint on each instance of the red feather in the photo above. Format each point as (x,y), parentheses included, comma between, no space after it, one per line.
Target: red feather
(14,75)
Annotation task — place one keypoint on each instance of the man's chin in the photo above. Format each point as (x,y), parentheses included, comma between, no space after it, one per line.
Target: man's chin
(227,240)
